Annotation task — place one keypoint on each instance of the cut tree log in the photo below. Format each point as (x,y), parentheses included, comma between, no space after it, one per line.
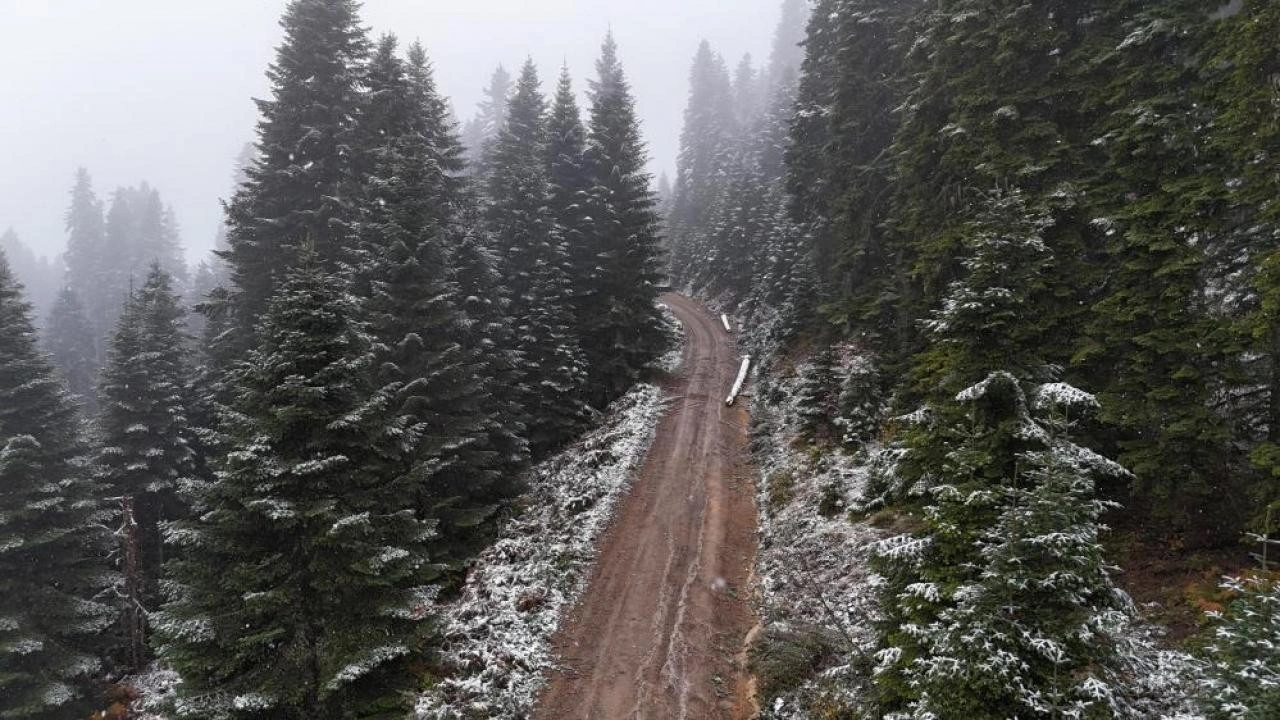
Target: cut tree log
(742,378)
(725,319)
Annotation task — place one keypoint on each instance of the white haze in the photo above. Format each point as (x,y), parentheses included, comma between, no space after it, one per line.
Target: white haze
(159,90)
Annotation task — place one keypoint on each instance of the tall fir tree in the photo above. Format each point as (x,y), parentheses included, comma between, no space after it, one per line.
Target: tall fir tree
(534,266)
(53,541)
(486,328)
(787,52)
(147,459)
(301,189)
(299,584)
(1247,134)
(705,144)
(71,344)
(1001,603)
(439,385)
(626,329)
(569,187)
(1156,352)
(483,128)
(87,252)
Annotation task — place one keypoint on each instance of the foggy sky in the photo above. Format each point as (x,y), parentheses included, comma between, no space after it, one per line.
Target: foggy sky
(159,90)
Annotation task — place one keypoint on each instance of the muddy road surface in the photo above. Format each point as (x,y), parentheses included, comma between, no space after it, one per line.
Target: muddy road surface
(659,633)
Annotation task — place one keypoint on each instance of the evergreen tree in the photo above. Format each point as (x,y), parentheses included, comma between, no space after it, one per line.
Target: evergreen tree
(300,190)
(748,97)
(69,339)
(1242,654)
(204,280)
(156,239)
(483,129)
(1154,349)
(117,275)
(666,195)
(147,457)
(486,328)
(814,394)
(569,187)
(533,264)
(300,583)
(87,254)
(439,386)
(705,144)
(625,331)
(788,52)
(1246,269)
(52,562)
(1002,601)
(860,404)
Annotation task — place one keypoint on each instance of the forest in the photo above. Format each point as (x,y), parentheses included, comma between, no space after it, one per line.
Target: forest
(1023,255)
(1007,273)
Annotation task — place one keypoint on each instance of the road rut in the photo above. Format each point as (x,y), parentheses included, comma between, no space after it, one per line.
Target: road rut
(659,632)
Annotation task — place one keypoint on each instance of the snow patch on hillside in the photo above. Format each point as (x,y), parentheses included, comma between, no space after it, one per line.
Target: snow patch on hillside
(813,561)
(497,633)
(671,360)
(155,689)
(817,593)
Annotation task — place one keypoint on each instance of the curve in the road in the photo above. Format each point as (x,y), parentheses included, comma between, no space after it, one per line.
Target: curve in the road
(659,631)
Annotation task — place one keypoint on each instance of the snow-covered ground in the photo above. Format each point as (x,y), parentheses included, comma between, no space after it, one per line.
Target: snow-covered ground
(497,634)
(815,594)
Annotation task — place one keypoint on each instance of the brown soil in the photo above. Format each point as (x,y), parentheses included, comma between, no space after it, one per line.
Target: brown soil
(1172,586)
(659,632)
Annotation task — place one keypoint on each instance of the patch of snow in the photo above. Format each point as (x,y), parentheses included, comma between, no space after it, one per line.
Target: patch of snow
(671,361)
(156,688)
(812,570)
(497,633)
(362,667)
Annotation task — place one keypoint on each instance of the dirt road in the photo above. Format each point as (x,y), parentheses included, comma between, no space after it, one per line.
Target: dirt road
(659,632)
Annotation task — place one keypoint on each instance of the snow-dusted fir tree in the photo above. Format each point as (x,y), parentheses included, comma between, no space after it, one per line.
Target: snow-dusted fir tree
(440,385)
(1001,604)
(569,184)
(860,404)
(86,253)
(487,328)
(788,51)
(748,94)
(140,230)
(69,339)
(534,262)
(146,456)
(298,587)
(816,393)
(705,144)
(626,328)
(1157,356)
(300,190)
(1249,134)
(1242,676)
(152,237)
(53,537)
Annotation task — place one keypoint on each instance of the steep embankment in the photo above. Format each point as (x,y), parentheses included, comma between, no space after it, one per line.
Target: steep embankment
(658,632)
